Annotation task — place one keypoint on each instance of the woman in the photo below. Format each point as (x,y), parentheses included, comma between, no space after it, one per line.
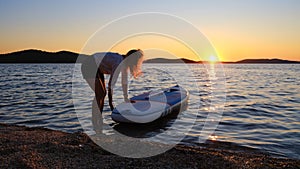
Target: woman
(94,68)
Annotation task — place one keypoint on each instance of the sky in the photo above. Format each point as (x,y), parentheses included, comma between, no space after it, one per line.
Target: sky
(237,29)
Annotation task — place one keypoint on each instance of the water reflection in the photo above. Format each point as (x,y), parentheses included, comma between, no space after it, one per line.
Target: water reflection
(261,110)
(213,137)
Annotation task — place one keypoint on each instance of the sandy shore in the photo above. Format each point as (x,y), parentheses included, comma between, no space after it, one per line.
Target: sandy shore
(24,147)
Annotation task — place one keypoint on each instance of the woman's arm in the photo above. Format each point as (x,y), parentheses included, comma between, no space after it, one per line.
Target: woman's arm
(110,99)
(124,82)
(112,80)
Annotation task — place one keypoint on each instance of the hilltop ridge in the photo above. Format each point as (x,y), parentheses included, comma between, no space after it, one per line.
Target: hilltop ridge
(39,56)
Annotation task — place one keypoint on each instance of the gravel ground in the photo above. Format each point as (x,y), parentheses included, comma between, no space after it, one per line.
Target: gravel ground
(24,147)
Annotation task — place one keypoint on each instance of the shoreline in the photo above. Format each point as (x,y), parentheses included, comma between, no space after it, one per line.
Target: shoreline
(36,147)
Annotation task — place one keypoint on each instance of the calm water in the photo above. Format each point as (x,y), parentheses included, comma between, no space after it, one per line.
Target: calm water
(262,106)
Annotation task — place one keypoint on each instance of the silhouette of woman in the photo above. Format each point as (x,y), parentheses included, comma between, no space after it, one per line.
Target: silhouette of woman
(93,69)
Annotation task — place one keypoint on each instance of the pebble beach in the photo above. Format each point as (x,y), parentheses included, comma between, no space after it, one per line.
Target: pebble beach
(30,147)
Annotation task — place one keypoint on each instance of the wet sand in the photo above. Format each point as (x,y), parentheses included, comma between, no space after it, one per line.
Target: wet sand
(24,147)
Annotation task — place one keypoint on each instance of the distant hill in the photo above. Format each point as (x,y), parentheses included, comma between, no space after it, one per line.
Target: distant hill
(264,61)
(38,56)
(163,60)
(246,61)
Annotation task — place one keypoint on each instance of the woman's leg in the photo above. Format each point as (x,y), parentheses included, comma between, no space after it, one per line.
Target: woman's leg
(90,73)
(100,90)
(97,119)
(98,86)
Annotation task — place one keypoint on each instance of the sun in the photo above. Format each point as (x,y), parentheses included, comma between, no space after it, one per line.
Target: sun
(212,59)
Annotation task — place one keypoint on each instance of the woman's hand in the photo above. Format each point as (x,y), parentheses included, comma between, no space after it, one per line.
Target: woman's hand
(126,99)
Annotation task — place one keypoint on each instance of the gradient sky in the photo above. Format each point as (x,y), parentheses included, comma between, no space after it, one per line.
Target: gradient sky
(238,29)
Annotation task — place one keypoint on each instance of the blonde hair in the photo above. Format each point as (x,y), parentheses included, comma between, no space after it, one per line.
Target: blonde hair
(134,62)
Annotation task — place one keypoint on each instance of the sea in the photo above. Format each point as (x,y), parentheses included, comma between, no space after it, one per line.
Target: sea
(255,106)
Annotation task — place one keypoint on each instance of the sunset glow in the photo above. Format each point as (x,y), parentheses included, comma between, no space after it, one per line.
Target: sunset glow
(237,30)
(213,59)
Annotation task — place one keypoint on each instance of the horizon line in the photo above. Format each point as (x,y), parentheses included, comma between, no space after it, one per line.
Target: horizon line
(218,61)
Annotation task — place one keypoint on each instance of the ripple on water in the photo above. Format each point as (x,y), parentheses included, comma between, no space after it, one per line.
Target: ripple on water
(262,104)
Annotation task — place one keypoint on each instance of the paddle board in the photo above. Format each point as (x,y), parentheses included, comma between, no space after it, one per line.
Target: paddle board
(150,106)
